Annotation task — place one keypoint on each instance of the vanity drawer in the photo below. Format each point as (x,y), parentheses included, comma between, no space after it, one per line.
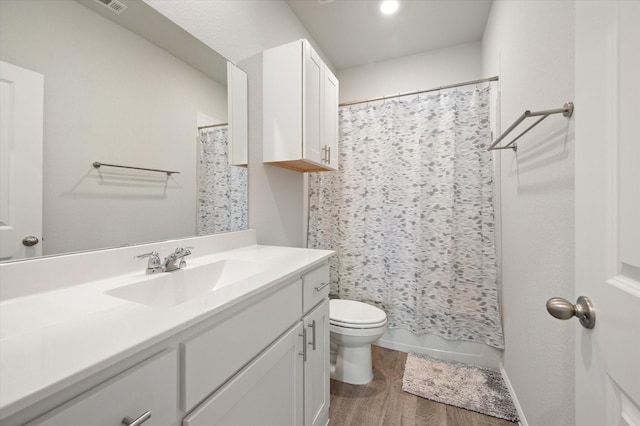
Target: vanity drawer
(315,286)
(212,357)
(149,386)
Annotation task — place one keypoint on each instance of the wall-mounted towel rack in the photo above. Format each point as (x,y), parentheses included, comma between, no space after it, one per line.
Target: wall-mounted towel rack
(212,126)
(98,164)
(566,110)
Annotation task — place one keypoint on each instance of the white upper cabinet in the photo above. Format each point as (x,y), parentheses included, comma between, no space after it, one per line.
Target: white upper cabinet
(300,109)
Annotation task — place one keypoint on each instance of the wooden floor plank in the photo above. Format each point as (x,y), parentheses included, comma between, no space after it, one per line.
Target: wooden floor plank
(430,413)
(383,403)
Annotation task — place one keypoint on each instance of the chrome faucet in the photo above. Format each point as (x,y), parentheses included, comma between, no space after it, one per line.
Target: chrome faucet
(153,265)
(176,259)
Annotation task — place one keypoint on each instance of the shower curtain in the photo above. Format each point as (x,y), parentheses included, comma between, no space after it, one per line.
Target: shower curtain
(410,214)
(222,188)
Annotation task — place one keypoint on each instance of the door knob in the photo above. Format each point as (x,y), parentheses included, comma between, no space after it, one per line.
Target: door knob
(30,241)
(583,310)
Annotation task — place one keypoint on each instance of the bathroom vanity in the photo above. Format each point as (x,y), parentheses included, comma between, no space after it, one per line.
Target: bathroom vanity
(238,336)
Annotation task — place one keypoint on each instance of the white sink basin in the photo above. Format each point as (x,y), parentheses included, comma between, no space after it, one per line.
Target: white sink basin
(173,288)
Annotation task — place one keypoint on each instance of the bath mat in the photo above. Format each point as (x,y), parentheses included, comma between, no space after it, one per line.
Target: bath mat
(474,388)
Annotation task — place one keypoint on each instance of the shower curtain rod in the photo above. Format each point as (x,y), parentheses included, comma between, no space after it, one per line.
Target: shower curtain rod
(213,125)
(417,92)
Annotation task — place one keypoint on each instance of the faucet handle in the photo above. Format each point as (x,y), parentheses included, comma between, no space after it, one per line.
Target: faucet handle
(176,259)
(154,264)
(183,251)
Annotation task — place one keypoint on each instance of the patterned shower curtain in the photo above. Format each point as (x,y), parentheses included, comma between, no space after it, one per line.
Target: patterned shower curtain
(410,214)
(222,188)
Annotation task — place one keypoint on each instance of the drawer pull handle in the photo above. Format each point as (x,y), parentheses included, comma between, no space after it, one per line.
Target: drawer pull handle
(313,333)
(137,422)
(304,345)
(321,286)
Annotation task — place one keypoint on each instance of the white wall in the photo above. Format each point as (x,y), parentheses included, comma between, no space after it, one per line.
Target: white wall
(530,44)
(410,73)
(240,31)
(113,97)
(237,30)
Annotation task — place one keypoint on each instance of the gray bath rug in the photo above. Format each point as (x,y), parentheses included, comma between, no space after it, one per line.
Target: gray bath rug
(474,388)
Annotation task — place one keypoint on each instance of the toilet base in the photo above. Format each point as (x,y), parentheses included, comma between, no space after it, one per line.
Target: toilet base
(351,365)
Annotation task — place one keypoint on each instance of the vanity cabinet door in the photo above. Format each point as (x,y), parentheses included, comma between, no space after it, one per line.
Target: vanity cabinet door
(268,392)
(212,357)
(151,386)
(316,367)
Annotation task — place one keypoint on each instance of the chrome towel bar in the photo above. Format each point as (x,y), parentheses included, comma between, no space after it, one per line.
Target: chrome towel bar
(566,110)
(98,164)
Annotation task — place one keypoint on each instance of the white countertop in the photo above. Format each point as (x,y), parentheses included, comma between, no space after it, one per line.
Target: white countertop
(50,340)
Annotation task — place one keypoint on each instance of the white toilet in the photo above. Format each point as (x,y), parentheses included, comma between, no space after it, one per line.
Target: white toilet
(353,326)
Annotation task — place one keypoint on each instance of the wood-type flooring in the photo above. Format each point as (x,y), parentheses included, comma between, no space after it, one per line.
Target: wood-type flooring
(382,401)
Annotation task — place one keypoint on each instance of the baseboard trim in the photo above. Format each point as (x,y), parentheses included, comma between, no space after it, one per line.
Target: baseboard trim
(523,420)
(467,352)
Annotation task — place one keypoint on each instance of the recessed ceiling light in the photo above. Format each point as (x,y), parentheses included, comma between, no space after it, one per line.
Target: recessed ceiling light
(389,7)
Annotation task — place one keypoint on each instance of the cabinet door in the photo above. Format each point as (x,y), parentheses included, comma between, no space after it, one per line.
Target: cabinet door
(151,386)
(267,392)
(212,357)
(316,369)
(313,69)
(330,119)
(282,92)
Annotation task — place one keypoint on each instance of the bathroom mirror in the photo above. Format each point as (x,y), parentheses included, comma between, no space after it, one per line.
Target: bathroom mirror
(124,85)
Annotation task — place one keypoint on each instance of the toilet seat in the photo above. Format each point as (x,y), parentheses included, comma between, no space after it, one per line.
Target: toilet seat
(352,325)
(353,314)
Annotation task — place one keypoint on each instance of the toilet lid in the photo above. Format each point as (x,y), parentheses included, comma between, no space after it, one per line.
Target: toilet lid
(352,312)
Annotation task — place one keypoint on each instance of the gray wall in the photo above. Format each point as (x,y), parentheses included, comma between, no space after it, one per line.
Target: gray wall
(530,44)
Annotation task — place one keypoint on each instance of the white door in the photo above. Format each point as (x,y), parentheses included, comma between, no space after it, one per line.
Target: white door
(608,211)
(21,110)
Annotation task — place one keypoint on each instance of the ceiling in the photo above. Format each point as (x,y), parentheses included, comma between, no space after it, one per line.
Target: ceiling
(354,32)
